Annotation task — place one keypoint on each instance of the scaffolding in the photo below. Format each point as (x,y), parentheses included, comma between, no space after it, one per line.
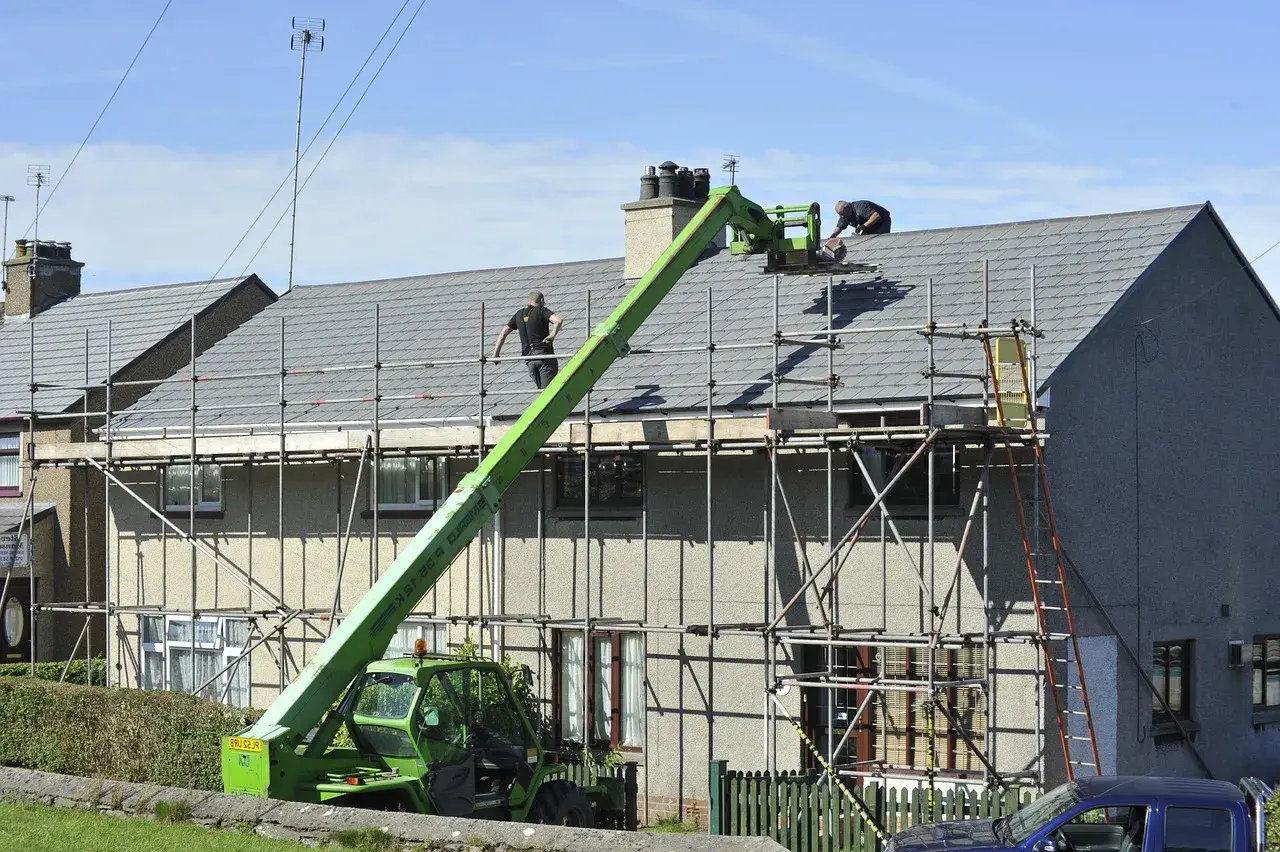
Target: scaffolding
(920,428)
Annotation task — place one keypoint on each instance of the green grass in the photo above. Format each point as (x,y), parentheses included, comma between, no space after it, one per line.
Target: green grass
(62,830)
(367,839)
(672,825)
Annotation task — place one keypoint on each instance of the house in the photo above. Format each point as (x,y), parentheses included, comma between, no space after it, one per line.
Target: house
(62,340)
(644,563)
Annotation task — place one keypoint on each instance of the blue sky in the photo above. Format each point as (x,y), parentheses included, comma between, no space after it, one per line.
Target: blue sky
(505,133)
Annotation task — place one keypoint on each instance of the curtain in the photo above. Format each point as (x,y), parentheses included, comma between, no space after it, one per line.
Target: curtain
(397,482)
(210,484)
(9,461)
(236,631)
(152,629)
(633,697)
(602,718)
(207,665)
(402,643)
(152,670)
(238,694)
(427,490)
(177,485)
(571,727)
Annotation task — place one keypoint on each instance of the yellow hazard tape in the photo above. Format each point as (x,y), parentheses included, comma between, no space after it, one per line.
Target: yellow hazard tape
(857,802)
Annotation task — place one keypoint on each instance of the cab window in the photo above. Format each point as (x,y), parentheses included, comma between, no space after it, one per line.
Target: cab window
(442,715)
(1113,829)
(386,695)
(497,713)
(1197,830)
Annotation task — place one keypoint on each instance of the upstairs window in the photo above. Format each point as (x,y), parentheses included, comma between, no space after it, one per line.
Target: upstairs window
(178,491)
(1266,672)
(616,482)
(1171,674)
(10,463)
(912,490)
(410,484)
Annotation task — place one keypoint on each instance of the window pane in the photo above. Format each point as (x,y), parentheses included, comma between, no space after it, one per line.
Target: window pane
(1197,830)
(236,631)
(1175,678)
(437,638)
(177,485)
(211,484)
(152,629)
(1258,672)
(602,717)
(426,481)
(633,695)
(207,631)
(402,643)
(398,482)
(1273,672)
(1160,675)
(179,630)
(616,481)
(180,669)
(238,694)
(152,670)
(10,462)
(571,727)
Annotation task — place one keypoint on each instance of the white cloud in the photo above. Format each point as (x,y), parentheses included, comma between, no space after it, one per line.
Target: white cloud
(387,205)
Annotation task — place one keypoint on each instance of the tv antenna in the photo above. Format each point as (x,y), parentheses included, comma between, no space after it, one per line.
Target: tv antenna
(306,37)
(37,176)
(730,165)
(4,240)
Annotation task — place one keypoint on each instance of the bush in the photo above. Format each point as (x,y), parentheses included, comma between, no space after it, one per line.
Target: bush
(80,671)
(123,734)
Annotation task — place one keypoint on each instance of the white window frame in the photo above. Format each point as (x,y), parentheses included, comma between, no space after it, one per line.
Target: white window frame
(420,503)
(185,506)
(437,636)
(14,452)
(228,653)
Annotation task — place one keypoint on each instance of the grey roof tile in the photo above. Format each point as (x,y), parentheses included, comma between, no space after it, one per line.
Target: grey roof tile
(1083,265)
(139,319)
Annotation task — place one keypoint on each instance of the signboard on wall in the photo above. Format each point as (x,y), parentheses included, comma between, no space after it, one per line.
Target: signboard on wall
(15,552)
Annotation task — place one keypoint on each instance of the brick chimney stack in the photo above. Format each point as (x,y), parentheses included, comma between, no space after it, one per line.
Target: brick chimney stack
(39,276)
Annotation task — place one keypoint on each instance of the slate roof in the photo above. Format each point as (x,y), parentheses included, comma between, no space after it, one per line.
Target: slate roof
(140,319)
(13,513)
(1083,265)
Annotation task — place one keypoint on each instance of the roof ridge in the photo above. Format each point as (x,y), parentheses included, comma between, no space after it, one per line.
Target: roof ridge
(1080,218)
(455,272)
(173,286)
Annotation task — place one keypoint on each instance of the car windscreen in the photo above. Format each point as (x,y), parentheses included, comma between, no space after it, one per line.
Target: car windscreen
(1042,811)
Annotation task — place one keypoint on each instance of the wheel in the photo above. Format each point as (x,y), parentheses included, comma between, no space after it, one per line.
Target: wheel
(562,803)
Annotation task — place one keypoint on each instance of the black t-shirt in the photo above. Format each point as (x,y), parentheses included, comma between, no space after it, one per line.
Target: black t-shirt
(534,324)
(858,212)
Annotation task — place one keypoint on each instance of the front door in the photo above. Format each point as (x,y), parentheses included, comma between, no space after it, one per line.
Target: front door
(15,622)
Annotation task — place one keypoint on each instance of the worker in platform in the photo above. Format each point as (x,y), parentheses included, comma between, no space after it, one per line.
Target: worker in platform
(866,217)
(538,328)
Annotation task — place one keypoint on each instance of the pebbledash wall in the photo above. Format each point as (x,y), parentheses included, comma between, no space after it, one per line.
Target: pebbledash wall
(692,712)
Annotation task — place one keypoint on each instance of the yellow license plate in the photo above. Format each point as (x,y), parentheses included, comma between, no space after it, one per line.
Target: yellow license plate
(243,744)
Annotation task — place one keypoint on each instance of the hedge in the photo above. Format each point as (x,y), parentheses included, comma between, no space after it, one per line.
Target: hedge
(76,673)
(123,734)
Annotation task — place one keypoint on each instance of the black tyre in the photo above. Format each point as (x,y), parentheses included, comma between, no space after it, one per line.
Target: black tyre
(562,803)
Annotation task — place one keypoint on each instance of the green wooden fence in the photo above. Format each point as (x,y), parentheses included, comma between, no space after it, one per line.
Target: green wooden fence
(618,781)
(805,816)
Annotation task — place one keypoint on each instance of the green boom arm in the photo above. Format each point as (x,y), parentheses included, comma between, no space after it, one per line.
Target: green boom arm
(367,630)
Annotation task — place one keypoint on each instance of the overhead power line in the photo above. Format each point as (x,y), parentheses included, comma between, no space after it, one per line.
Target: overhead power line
(101,113)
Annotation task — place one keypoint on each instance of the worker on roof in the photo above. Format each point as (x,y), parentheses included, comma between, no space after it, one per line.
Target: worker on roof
(538,328)
(866,217)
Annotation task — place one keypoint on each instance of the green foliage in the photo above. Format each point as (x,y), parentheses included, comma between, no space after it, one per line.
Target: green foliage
(125,734)
(1273,823)
(80,671)
(367,839)
(521,687)
(178,811)
(672,825)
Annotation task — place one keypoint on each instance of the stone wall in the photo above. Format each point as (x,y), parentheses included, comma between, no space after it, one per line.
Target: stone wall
(315,824)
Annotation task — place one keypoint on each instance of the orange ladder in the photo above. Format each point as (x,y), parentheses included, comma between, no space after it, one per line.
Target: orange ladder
(1057,629)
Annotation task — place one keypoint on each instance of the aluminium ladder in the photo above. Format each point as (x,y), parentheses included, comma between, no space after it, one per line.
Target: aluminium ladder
(1056,625)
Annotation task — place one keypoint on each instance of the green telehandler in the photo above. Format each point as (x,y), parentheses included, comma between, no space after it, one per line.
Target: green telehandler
(440,735)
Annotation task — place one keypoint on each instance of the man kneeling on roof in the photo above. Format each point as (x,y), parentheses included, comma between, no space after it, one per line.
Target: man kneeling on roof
(538,328)
(866,217)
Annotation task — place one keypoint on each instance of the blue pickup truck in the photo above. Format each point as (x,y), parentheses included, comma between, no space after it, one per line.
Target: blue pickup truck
(1113,814)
